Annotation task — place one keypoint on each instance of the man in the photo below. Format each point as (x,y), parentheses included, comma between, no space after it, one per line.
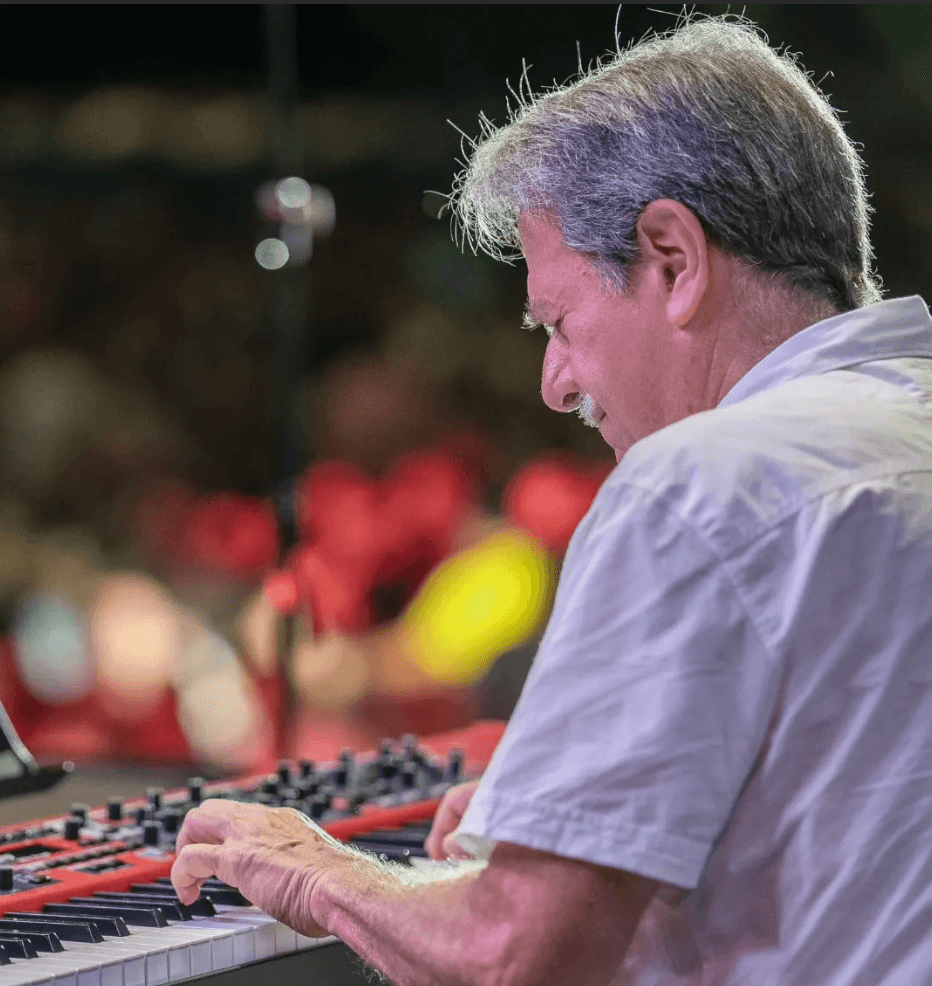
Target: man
(718,770)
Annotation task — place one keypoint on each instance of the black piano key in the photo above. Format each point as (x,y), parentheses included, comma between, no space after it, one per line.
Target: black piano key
(398,837)
(109,927)
(148,917)
(202,906)
(217,892)
(174,910)
(386,850)
(45,941)
(66,930)
(18,948)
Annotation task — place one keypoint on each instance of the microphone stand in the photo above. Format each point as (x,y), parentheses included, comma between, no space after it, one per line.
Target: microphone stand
(296,211)
(19,772)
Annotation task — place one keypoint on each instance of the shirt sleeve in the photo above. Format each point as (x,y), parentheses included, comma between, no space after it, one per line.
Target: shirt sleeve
(645,708)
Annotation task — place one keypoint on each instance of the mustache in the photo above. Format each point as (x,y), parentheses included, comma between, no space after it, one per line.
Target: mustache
(587,411)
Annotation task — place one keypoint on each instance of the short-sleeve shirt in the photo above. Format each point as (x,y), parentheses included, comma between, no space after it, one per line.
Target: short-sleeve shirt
(733,695)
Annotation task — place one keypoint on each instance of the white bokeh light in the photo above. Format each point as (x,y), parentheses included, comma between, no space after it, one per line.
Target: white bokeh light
(272,254)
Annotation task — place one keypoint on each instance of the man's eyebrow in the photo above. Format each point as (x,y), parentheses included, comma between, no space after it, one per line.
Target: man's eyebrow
(537,313)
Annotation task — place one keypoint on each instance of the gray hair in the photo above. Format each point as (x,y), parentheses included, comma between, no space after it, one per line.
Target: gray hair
(707,114)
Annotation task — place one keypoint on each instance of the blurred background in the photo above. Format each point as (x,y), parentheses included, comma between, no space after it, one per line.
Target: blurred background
(142,580)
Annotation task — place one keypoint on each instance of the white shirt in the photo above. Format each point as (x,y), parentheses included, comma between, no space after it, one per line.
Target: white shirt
(734,692)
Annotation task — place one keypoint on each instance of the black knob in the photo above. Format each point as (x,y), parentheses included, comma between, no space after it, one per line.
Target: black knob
(307,768)
(409,772)
(79,811)
(318,804)
(6,877)
(356,800)
(308,786)
(343,772)
(284,773)
(196,790)
(171,822)
(114,809)
(270,784)
(141,814)
(454,765)
(154,796)
(150,833)
(73,827)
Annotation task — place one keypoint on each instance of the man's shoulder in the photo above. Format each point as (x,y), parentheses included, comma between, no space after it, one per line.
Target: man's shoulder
(737,471)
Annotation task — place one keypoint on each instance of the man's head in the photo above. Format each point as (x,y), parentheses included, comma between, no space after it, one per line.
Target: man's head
(703,159)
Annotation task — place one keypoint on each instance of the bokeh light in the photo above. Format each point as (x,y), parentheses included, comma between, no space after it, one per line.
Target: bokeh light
(135,635)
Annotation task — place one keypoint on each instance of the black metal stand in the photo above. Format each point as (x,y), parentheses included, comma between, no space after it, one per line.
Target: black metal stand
(299,211)
(19,772)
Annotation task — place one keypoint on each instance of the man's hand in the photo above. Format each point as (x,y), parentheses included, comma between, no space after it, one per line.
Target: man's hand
(441,843)
(273,856)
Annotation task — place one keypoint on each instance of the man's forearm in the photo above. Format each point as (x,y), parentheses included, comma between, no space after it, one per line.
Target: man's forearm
(416,933)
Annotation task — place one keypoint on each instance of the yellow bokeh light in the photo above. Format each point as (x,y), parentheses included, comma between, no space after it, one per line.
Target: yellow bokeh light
(477,605)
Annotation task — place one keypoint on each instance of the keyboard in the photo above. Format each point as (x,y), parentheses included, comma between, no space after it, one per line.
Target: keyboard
(85,899)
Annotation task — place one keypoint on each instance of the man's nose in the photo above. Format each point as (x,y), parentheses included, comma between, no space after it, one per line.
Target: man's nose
(557,386)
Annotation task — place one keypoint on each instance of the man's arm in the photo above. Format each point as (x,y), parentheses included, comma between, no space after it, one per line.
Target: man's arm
(527,918)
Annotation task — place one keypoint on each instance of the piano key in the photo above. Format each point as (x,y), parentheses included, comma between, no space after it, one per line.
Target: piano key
(24,974)
(66,930)
(216,892)
(202,906)
(149,917)
(174,910)
(401,837)
(18,948)
(45,941)
(114,927)
(70,967)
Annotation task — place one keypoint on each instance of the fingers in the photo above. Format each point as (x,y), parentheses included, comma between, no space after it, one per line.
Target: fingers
(211,823)
(448,817)
(193,865)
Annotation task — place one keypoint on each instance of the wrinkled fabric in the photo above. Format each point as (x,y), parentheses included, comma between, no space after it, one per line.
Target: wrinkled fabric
(734,692)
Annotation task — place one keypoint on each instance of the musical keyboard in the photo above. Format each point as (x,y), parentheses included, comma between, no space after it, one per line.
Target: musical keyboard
(85,899)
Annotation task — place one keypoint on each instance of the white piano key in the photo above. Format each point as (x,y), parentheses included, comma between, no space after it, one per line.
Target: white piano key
(19,973)
(68,968)
(156,956)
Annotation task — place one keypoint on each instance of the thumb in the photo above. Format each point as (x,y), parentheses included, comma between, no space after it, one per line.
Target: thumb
(452,849)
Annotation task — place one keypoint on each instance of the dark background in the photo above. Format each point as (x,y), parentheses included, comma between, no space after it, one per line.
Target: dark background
(136,346)
(381,82)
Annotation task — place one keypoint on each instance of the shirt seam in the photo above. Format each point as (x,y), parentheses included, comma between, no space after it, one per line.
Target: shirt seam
(725,560)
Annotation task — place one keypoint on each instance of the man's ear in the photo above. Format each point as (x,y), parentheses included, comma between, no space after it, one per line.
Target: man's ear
(672,242)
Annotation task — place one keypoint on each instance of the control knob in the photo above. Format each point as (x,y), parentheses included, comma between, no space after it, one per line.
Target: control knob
(150,833)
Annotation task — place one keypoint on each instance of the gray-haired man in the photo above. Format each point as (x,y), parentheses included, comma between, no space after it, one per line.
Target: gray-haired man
(718,771)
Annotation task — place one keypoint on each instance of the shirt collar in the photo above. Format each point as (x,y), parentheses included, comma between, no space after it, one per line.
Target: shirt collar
(886,330)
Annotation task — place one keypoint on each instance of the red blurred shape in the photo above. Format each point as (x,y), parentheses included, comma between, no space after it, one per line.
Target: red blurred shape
(550,496)
(232,533)
(281,590)
(336,596)
(424,497)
